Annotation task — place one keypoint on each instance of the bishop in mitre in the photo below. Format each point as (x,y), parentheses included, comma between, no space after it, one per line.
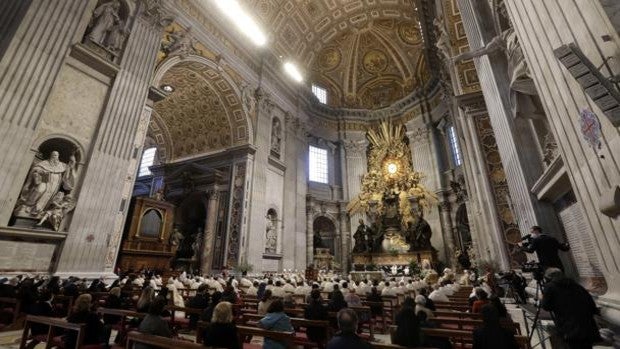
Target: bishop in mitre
(46,178)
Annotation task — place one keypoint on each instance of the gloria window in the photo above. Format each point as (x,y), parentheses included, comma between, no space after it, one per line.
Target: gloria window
(320,93)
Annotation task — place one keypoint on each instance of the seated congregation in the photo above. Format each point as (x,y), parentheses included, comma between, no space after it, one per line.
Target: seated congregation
(268,311)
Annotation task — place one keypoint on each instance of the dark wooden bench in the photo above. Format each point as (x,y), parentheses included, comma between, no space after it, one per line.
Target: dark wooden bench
(247,332)
(470,324)
(55,327)
(160,342)
(457,314)
(125,320)
(465,338)
(10,311)
(183,322)
(299,323)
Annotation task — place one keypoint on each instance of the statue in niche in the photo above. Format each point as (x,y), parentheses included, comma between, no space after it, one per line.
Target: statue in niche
(276,136)
(360,235)
(116,37)
(196,244)
(55,212)
(317,241)
(248,98)
(45,180)
(175,237)
(271,235)
(105,17)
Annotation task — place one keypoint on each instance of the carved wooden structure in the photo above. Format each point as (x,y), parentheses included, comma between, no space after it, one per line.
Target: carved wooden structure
(147,242)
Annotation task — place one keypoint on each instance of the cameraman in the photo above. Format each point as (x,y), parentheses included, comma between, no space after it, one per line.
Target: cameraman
(573,310)
(546,247)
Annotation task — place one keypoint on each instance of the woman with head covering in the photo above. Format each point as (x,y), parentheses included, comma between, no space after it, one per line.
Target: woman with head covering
(145,300)
(216,298)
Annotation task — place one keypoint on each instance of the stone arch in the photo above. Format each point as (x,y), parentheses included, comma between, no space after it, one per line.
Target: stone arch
(220,95)
(78,151)
(158,133)
(325,225)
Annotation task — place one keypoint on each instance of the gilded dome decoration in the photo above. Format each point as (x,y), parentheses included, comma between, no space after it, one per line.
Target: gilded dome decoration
(367,54)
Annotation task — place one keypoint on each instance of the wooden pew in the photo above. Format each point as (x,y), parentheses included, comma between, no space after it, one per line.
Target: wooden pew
(457,314)
(463,338)
(301,323)
(246,333)
(183,322)
(10,308)
(376,345)
(63,305)
(451,306)
(124,324)
(470,324)
(54,325)
(160,342)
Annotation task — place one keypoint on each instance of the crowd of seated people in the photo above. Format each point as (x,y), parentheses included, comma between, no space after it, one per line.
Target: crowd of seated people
(218,298)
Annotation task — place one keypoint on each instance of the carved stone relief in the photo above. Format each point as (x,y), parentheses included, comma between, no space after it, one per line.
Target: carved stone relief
(48,192)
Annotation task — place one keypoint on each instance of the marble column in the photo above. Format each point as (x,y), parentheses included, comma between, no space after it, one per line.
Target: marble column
(113,150)
(345,240)
(35,39)
(208,240)
(356,166)
(309,232)
(488,233)
(519,155)
(447,228)
(425,162)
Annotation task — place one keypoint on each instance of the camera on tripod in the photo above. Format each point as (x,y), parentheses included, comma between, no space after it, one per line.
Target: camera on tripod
(526,241)
(537,270)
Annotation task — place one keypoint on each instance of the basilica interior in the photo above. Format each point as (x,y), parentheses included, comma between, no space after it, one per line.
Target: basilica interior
(338,137)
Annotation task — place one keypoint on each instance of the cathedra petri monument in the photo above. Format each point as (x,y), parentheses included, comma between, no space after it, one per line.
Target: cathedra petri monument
(393,201)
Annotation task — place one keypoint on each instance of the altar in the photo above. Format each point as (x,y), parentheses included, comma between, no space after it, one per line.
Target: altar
(388,259)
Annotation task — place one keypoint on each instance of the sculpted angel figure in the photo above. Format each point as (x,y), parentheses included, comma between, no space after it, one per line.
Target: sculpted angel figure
(57,209)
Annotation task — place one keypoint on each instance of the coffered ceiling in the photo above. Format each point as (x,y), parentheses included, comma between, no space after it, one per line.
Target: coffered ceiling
(366,53)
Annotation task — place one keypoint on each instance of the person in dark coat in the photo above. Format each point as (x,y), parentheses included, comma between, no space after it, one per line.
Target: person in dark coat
(208,313)
(347,338)
(82,314)
(113,301)
(222,332)
(199,301)
(375,297)
(315,310)
(337,302)
(154,324)
(546,248)
(492,335)
(573,309)
(408,325)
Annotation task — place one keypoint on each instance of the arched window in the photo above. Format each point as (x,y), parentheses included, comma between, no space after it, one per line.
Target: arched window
(148,158)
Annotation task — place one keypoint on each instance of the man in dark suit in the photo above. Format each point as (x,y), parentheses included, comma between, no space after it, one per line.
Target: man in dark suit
(200,301)
(546,248)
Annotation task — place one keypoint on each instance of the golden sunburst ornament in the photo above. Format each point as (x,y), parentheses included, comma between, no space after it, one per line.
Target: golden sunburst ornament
(390,170)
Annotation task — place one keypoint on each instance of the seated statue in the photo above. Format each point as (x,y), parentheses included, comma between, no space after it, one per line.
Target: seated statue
(419,234)
(360,238)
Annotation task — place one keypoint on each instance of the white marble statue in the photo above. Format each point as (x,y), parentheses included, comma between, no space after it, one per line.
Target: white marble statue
(46,178)
(394,270)
(407,270)
(271,237)
(116,38)
(175,237)
(60,205)
(196,245)
(276,136)
(105,17)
